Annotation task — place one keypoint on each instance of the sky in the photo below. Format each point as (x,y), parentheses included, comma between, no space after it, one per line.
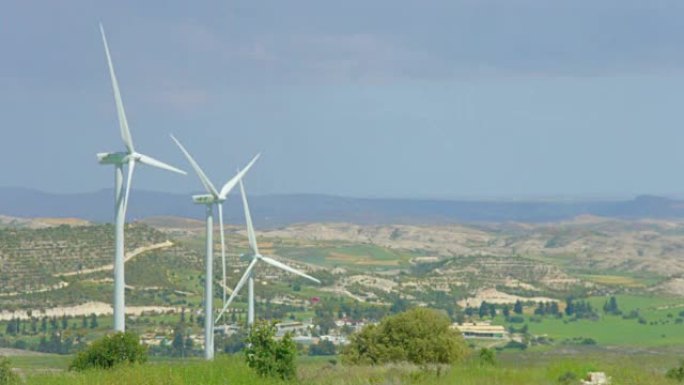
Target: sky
(383,98)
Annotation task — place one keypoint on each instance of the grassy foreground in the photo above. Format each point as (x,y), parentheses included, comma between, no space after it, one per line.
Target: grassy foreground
(626,370)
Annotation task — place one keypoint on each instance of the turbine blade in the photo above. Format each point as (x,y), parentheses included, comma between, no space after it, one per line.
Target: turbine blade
(150,161)
(225,190)
(198,170)
(131,168)
(239,286)
(223,251)
(248,218)
(285,267)
(121,113)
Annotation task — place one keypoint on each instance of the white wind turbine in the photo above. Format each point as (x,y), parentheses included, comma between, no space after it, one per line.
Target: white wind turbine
(119,159)
(214,197)
(256,257)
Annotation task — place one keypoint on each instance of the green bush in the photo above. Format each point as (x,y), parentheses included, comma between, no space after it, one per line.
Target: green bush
(487,357)
(420,336)
(7,376)
(110,351)
(270,357)
(322,348)
(677,373)
(567,378)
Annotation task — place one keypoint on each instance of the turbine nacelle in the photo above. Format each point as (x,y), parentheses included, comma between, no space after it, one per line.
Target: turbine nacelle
(206,199)
(112,157)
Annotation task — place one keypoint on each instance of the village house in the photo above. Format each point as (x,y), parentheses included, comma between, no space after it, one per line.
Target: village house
(481,330)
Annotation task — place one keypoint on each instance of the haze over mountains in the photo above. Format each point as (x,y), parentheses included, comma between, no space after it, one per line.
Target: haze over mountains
(280,210)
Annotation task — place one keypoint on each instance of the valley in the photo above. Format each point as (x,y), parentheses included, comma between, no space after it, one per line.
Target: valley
(63,271)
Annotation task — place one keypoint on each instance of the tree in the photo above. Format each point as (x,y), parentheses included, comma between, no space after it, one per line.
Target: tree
(518,307)
(231,344)
(421,336)
(7,376)
(506,311)
(178,343)
(322,348)
(487,357)
(484,309)
(399,305)
(93,321)
(677,373)
(554,308)
(110,351)
(188,344)
(569,307)
(11,328)
(268,356)
(611,306)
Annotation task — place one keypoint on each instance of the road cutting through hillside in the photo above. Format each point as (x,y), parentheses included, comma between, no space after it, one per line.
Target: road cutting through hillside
(127,257)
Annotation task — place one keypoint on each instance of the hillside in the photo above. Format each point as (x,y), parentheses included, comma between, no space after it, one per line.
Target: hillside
(588,254)
(367,271)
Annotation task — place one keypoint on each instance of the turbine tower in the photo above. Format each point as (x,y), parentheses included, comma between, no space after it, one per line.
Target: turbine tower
(129,157)
(214,197)
(248,276)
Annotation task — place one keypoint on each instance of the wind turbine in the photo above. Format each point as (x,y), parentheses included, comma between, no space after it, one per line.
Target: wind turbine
(214,197)
(248,277)
(119,159)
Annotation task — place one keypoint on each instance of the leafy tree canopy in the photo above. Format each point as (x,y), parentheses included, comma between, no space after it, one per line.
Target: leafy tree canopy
(268,356)
(421,336)
(109,351)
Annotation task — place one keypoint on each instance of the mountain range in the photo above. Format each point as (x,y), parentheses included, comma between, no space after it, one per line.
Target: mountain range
(280,210)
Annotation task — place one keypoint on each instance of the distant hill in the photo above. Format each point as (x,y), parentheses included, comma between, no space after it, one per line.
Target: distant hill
(280,210)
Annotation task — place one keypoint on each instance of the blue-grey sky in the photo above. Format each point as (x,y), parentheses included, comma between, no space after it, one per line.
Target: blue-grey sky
(385,98)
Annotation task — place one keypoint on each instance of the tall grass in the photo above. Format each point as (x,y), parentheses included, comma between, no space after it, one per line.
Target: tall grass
(224,370)
(625,370)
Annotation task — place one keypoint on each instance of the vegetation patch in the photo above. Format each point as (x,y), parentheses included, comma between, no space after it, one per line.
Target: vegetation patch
(110,351)
(420,336)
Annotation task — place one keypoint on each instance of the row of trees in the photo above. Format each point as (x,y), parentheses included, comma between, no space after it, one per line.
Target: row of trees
(573,308)
(16,326)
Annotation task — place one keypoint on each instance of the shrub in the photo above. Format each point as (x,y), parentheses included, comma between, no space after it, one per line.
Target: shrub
(110,351)
(322,348)
(487,357)
(567,378)
(420,336)
(268,356)
(677,373)
(515,345)
(7,376)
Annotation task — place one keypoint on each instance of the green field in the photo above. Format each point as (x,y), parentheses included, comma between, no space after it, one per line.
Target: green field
(660,314)
(349,255)
(512,369)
